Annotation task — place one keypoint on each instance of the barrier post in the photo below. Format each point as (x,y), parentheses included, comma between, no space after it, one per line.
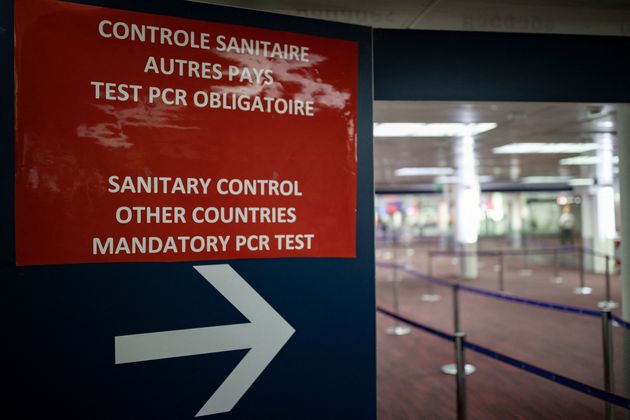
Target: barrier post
(526,271)
(452,368)
(456,307)
(556,269)
(607,278)
(582,289)
(607,302)
(408,256)
(608,358)
(430,296)
(397,329)
(461,376)
(501,285)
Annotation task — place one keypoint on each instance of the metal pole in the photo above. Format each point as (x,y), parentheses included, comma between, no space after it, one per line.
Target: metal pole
(430,296)
(397,329)
(454,368)
(581,262)
(607,302)
(556,269)
(526,271)
(607,278)
(582,290)
(608,358)
(501,285)
(461,375)
(456,307)
(396,289)
(409,254)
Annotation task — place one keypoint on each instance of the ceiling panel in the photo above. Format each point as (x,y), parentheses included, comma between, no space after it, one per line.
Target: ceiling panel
(603,17)
(517,122)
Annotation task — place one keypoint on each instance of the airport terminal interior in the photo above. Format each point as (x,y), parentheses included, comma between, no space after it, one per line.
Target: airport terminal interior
(538,184)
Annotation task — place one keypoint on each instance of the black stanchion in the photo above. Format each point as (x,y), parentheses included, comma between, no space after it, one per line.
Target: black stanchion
(460,362)
(397,329)
(456,307)
(608,358)
(607,302)
(430,296)
(408,256)
(556,268)
(452,368)
(501,285)
(582,289)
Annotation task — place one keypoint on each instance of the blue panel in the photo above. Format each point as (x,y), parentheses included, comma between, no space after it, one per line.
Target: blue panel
(60,321)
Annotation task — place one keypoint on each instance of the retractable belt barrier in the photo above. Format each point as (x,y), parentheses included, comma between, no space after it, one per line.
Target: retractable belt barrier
(543,373)
(539,251)
(501,296)
(528,251)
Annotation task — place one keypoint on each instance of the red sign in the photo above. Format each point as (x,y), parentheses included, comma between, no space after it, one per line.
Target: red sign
(150,138)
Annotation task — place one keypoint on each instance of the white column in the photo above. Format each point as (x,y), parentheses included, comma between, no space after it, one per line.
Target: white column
(604,203)
(516,221)
(587,223)
(444,216)
(467,202)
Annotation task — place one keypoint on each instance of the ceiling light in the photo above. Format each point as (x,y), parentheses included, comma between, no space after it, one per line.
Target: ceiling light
(430,129)
(584,160)
(423,171)
(581,182)
(550,148)
(482,179)
(605,124)
(545,179)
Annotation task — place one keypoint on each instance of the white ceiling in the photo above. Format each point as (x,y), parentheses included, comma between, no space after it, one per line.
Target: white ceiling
(591,17)
(517,122)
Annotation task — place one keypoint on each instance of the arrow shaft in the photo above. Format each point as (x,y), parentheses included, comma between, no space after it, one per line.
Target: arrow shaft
(179,343)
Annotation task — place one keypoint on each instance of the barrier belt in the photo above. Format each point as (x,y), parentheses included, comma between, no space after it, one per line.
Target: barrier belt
(536,251)
(531,302)
(621,322)
(559,379)
(525,251)
(543,373)
(415,324)
(501,296)
(434,280)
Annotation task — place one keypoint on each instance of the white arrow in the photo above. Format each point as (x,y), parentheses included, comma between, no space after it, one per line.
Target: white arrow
(265,335)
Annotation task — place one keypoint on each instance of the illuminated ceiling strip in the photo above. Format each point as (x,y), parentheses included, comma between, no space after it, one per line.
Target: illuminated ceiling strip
(547,148)
(431,129)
